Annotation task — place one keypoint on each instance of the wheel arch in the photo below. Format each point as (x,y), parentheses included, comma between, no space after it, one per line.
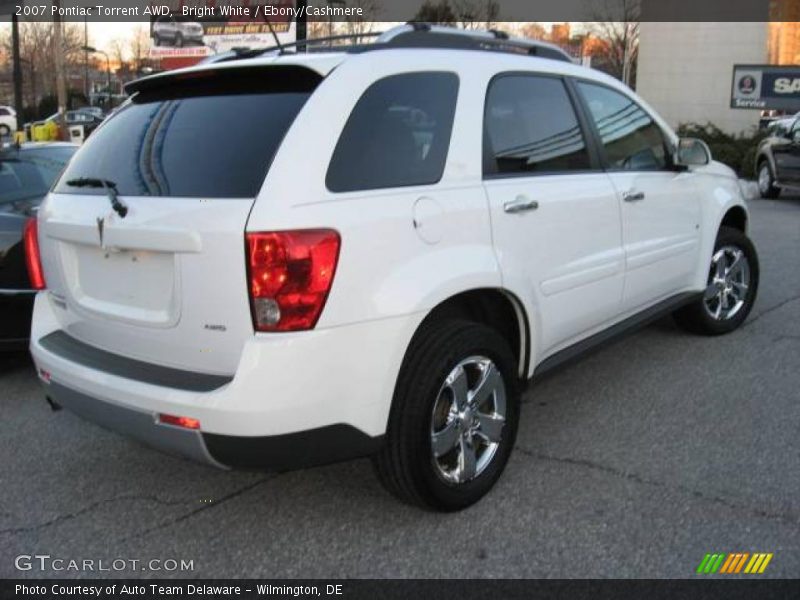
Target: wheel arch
(736,217)
(497,308)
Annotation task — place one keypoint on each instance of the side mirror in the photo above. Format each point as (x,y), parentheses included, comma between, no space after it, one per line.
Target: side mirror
(692,152)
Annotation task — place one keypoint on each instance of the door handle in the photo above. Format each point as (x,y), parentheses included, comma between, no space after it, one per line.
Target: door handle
(521,204)
(633,196)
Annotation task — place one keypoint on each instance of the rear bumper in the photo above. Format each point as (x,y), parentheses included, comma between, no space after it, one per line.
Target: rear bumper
(139,425)
(295,400)
(282,452)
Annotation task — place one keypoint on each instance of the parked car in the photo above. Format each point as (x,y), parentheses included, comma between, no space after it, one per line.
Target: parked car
(47,129)
(172,32)
(26,174)
(778,158)
(381,278)
(8,121)
(92,110)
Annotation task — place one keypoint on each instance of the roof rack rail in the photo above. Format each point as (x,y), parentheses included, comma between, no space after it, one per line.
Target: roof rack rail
(410,35)
(426,35)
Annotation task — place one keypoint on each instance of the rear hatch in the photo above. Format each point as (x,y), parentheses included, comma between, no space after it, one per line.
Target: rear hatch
(162,276)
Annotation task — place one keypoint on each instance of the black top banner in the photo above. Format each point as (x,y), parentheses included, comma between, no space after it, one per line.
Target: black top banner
(480,12)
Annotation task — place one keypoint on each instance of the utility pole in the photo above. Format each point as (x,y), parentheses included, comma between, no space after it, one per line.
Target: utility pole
(17,69)
(61,82)
(301,31)
(86,91)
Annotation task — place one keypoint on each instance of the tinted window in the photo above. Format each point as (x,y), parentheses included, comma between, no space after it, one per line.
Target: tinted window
(632,140)
(397,135)
(210,136)
(4,112)
(28,174)
(531,126)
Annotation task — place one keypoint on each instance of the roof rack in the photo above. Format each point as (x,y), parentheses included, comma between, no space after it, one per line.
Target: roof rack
(425,35)
(411,35)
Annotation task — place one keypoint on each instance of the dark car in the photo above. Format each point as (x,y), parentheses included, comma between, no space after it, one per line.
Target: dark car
(778,158)
(26,174)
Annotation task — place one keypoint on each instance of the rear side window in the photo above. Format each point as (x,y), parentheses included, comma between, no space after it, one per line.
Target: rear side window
(630,137)
(397,135)
(202,135)
(531,127)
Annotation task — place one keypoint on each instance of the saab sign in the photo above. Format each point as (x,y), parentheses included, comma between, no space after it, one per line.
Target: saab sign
(766,87)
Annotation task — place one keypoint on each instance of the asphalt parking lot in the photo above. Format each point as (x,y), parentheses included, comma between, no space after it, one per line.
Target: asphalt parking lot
(634,462)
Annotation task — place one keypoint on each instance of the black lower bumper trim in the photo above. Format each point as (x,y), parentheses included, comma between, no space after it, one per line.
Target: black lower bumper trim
(65,346)
(289,451)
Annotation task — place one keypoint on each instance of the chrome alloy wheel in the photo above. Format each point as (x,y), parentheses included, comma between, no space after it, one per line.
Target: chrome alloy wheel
(764,178)
(728,282)
(468,419)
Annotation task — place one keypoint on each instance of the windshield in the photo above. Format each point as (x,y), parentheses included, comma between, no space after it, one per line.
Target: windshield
(202,135)
(28,174)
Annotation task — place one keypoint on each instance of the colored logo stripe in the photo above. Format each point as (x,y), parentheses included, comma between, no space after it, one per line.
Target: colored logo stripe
(734,562)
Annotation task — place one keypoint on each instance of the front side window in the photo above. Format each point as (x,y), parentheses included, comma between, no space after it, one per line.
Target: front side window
(632,140)
(397,135)
(531,127)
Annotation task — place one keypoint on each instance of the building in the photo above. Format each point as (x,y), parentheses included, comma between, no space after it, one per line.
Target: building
(685,70)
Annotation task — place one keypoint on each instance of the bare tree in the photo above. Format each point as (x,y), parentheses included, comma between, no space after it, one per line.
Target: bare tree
(117,52)
(467,14)
(534,31)
(617,25)
(37,50)
(139,48)
(357,26)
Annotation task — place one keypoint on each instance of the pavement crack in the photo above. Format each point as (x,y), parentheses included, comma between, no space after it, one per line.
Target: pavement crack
(628,476)
(778,306)
(204,507)
(95,505)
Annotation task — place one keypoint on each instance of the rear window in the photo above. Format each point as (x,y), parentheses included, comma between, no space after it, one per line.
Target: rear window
(211,134)
(28,174)
(397,135)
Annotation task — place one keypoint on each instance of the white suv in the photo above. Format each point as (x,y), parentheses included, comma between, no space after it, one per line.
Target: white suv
(371,253)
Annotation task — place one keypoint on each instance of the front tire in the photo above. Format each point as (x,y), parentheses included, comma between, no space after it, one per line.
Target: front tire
(766,181)
(454,417)
(5,131)
(731,288)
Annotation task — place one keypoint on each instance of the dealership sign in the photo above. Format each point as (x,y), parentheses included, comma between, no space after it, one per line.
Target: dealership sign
(766,87)
(199,28)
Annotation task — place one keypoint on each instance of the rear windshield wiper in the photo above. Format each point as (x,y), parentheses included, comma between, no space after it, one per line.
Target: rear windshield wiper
(109,186)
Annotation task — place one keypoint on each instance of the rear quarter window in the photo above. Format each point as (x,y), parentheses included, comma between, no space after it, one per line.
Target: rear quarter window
(397,135)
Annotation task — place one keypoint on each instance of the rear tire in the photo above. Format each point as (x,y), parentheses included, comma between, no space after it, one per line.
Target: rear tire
(454,416)
(766,181)
(731,288)
(5,131)
(178,40)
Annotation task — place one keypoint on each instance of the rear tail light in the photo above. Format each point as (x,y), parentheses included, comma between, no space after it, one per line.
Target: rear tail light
(33,259)
(290,274)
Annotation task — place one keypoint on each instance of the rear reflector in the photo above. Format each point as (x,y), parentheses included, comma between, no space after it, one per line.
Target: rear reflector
(33,259)
(290,274)
(185,422)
